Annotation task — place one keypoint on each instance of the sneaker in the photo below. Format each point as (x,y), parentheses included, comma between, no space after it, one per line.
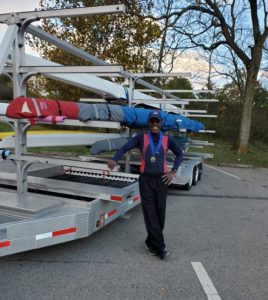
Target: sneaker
(151,250)
(164,253)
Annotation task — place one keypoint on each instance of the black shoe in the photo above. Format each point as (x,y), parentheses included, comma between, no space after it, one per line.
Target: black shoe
(151,250)
(163,253)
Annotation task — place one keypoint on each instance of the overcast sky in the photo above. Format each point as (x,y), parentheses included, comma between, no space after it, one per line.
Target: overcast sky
(7,6)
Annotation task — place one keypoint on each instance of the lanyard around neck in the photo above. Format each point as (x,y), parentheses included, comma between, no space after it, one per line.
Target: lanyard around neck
(154,149)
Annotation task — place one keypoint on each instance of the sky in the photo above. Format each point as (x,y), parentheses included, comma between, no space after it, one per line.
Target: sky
(7,6)
(18,5)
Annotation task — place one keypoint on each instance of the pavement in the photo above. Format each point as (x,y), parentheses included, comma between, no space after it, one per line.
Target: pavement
(217,234)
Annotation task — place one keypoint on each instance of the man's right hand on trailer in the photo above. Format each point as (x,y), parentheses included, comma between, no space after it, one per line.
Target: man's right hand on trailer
(111,164)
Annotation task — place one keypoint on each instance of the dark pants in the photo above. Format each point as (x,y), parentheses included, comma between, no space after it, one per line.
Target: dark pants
(153,194)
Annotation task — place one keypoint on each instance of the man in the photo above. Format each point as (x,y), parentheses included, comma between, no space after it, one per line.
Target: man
(154,178)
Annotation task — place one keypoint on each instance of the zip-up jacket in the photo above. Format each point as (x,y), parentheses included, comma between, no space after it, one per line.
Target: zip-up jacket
(159,164)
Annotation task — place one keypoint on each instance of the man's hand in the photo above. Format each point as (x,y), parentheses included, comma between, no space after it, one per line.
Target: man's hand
(111,164)
(167,178)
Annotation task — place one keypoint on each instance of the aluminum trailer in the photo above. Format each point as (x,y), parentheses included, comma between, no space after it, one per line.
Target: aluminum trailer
(30,220)
(68,201)
(71,200)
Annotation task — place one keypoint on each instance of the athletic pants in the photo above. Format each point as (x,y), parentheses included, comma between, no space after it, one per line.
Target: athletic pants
(153,194)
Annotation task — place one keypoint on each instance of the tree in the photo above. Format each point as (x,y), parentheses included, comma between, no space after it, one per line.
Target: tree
(233,30)
(229,109)
(261,96)
(179,83)
(118,39)
(168,46)
(6,92)
(169,42)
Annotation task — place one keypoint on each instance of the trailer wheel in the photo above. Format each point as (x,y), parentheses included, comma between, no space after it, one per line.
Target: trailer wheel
(199,174)
(200,167)
(188,185)
(195,175)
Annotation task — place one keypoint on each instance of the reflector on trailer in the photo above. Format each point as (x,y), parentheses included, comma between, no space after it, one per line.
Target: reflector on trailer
(112,212)
(64,231)
(117,198)
(5,244)
(55,233)
(136,198)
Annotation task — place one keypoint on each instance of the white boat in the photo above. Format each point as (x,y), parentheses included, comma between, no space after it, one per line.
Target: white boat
(59,139)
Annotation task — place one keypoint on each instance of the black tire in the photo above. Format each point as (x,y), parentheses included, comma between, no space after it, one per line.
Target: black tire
(199,174)
(200,168)
(188,185)
(195,175)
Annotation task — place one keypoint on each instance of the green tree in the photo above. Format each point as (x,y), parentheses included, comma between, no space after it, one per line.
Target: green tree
(179,83)
(229,111)
(6,92)
(261,97)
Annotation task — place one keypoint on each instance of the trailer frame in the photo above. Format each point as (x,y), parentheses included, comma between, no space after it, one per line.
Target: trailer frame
(31,220)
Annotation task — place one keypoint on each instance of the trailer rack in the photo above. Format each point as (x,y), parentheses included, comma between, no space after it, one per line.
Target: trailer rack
(73,198)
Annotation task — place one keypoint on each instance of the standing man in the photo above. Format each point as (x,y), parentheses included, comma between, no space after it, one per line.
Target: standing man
(154,178)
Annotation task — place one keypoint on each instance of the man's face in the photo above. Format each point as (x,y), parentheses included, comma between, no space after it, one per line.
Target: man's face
(154,125)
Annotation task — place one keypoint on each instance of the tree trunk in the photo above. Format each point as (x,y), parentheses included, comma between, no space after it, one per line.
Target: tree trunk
(246,118)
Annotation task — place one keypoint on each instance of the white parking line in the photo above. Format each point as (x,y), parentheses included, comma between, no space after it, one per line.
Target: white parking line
(205,281)
(223,172)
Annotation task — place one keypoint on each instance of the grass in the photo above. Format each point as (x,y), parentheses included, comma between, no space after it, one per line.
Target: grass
(70,150)
(225,155)
(4,127)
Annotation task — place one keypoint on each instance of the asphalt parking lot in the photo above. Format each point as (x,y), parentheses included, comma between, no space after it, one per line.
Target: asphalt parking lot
(217,234)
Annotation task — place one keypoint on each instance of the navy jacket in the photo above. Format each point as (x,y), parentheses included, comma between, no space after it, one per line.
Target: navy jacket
(158,166)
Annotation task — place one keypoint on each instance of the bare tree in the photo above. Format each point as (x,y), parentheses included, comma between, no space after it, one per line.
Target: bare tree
(227,65)
(169,44)
(238,30)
